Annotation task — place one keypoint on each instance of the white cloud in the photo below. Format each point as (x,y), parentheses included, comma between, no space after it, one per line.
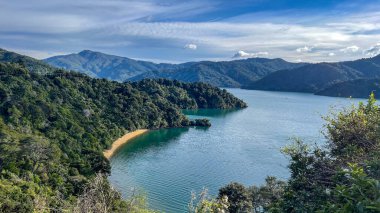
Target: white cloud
(191,46)
(331,54)
(350,49)
(373,51)
(304,49)
(243,54)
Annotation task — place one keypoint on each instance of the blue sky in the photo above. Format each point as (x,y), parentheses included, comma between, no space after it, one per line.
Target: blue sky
(192,30)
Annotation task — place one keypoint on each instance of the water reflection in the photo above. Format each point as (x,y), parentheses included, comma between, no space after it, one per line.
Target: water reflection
(210,112)
(154,139)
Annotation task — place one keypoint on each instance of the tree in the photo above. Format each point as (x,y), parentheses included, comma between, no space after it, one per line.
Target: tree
(361,193)
(238,198)
(203,204)
(267,196)
(98,197)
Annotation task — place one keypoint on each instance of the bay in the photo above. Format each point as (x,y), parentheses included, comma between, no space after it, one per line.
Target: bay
(240,146)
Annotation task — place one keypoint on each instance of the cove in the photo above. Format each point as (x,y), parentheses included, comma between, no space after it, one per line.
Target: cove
(241,146)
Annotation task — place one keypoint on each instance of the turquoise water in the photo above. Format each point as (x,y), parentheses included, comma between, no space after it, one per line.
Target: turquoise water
(242,146)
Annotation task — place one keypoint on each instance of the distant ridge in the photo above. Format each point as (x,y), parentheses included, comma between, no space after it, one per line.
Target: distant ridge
(225,73)
(100,65)
(314,78)
(360,88)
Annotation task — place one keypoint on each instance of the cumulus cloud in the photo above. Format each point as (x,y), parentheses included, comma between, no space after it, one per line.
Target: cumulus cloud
(191,46)
(243,54)
(331,54)
(304,49)
(373,51)
(350,49)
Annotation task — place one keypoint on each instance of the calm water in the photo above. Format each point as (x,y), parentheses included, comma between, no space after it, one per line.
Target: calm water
(242,146)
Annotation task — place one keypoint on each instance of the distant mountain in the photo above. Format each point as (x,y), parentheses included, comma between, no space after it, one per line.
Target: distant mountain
(316,77)
(225,73)
(31,64)
(360,88)
(100,65)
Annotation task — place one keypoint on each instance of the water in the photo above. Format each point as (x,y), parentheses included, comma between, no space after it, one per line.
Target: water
(242,146)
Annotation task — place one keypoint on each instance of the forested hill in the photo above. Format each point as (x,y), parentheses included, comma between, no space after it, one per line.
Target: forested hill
(100,65)
(31,64)
(356,88)
(225,73)
(316,77)
(54,127)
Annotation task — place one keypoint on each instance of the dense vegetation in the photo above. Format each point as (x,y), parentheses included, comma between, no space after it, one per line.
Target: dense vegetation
(54,127)
(313,78)
(343,176)
(224,73)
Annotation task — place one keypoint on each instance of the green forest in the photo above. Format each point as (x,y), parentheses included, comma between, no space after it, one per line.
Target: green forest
(55,124)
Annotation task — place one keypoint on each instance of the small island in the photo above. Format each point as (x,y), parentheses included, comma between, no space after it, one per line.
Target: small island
(201,122)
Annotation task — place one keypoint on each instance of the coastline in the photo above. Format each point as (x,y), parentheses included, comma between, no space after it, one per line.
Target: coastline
(121,141)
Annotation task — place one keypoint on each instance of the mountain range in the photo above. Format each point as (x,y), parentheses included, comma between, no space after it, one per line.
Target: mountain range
(344,79)
(223,74)
(315,78)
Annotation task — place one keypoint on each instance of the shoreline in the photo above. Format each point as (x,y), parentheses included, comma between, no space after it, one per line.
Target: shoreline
(121,141)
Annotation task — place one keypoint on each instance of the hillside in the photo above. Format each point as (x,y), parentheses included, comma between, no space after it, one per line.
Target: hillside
(224,73)
(53,129)
(31,64)
(360,88)
(315,77)
(100,65)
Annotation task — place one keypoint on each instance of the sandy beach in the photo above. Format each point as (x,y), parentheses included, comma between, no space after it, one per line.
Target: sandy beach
(121,141)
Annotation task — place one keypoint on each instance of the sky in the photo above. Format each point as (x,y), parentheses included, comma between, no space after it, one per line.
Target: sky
(178,31)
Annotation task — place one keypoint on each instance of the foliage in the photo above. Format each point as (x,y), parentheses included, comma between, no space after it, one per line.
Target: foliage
(360,193)
(100,197)
(203,204)
(238,197)
(202,122)
(190,96)
(267,196)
